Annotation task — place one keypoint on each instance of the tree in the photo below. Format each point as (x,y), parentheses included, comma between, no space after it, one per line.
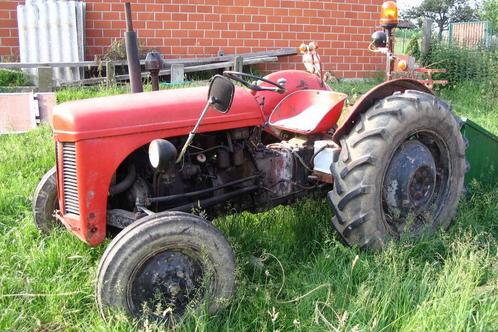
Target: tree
(489,12)
(444,12)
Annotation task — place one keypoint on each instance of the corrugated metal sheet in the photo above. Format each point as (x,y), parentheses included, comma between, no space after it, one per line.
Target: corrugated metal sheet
(52,31)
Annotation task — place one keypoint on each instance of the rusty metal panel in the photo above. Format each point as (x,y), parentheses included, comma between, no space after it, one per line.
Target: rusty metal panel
(17,112)
(46,104)
(52,31)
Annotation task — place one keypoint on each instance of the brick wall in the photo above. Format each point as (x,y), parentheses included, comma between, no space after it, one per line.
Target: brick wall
(9,43)
(192,28)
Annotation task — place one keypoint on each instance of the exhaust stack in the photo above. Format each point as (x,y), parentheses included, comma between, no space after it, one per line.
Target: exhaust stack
(132,55)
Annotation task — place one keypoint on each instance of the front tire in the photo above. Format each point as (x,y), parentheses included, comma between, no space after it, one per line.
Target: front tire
(45,202)
(400,171)
(164,264)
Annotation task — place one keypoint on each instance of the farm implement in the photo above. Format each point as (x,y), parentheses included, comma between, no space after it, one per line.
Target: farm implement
(139,165)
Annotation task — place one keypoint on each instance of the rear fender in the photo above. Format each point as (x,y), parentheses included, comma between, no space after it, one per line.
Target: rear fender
(377,93)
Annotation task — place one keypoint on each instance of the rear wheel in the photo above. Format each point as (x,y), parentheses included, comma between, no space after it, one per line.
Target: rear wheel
(45,202)
(164,264)
(400,171)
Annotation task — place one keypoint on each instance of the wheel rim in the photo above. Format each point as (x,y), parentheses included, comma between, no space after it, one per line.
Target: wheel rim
(415,184)
(166,284)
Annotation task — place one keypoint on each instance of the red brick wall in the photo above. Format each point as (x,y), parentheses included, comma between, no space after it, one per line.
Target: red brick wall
(9,43)
(192,28)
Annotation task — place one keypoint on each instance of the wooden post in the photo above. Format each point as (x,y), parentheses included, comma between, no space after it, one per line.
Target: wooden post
(238,64)
(45,79)
(177,73)
(110,72)
(426,41)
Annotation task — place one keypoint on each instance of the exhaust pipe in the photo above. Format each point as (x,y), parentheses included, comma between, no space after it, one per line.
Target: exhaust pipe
(131,44)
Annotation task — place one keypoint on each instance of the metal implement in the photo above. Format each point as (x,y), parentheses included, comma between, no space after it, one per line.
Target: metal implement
(482,154)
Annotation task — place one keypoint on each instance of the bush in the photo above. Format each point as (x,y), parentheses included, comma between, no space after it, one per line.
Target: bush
(413,48)
(463,64)
(13,78)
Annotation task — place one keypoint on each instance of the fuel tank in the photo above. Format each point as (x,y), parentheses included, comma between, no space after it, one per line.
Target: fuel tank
(167,110)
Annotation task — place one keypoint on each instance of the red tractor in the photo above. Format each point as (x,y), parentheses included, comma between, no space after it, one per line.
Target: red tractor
(140,164)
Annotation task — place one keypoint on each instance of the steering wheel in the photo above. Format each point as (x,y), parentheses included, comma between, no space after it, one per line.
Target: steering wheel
(237,76)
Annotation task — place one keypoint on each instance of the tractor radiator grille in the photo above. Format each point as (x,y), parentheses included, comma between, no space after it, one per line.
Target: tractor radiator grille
(70,182)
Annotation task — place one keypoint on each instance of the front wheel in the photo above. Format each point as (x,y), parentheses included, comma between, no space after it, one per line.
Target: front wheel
(400,171)
(45,202)
(164,264)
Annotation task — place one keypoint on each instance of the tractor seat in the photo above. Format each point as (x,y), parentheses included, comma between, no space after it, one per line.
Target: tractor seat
(308,111)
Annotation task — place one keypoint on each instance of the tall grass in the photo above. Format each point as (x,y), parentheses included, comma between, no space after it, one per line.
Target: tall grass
(293,272)
(464,64)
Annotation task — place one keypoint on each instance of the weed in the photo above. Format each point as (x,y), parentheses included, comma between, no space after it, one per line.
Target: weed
(463,64)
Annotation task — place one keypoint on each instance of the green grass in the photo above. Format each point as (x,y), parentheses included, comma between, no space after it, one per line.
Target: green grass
(76,93)
(444,283)
(478,102)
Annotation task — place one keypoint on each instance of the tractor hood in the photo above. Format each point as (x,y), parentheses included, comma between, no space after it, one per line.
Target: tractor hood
(176,110)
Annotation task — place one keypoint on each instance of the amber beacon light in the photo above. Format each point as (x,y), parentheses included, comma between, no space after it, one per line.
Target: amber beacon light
(389,14)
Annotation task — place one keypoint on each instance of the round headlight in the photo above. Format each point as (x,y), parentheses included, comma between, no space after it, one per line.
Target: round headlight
(379,39)
(154,154)
(162,153)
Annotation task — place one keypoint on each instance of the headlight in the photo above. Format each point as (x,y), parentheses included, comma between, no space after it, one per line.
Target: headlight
(379,39)
(162,153)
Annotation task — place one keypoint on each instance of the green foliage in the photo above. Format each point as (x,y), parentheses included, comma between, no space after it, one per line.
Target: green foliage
(463,64)
(403,39)
(443,12)
(413,48)
(290,262)
(489,12)
(13,78)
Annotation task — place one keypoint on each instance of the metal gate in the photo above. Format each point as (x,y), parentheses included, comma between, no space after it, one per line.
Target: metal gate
(470,34)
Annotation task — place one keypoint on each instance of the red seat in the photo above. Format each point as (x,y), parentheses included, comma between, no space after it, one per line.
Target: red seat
(308,111)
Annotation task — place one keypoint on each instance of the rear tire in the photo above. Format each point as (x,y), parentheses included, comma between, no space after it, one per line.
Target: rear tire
(163,264)
(45,202)
(400,171)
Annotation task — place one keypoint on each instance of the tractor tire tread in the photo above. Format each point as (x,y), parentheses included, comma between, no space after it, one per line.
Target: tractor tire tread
(45,202)
(154,232)
(364,157)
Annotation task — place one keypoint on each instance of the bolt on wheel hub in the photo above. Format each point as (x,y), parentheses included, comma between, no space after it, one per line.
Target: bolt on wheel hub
(167,282)
(410,180)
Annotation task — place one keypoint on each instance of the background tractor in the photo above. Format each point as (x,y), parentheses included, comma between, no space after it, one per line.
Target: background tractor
(139,165)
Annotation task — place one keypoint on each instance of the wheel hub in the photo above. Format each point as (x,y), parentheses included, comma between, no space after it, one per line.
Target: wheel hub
(167,282)
(410,180)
